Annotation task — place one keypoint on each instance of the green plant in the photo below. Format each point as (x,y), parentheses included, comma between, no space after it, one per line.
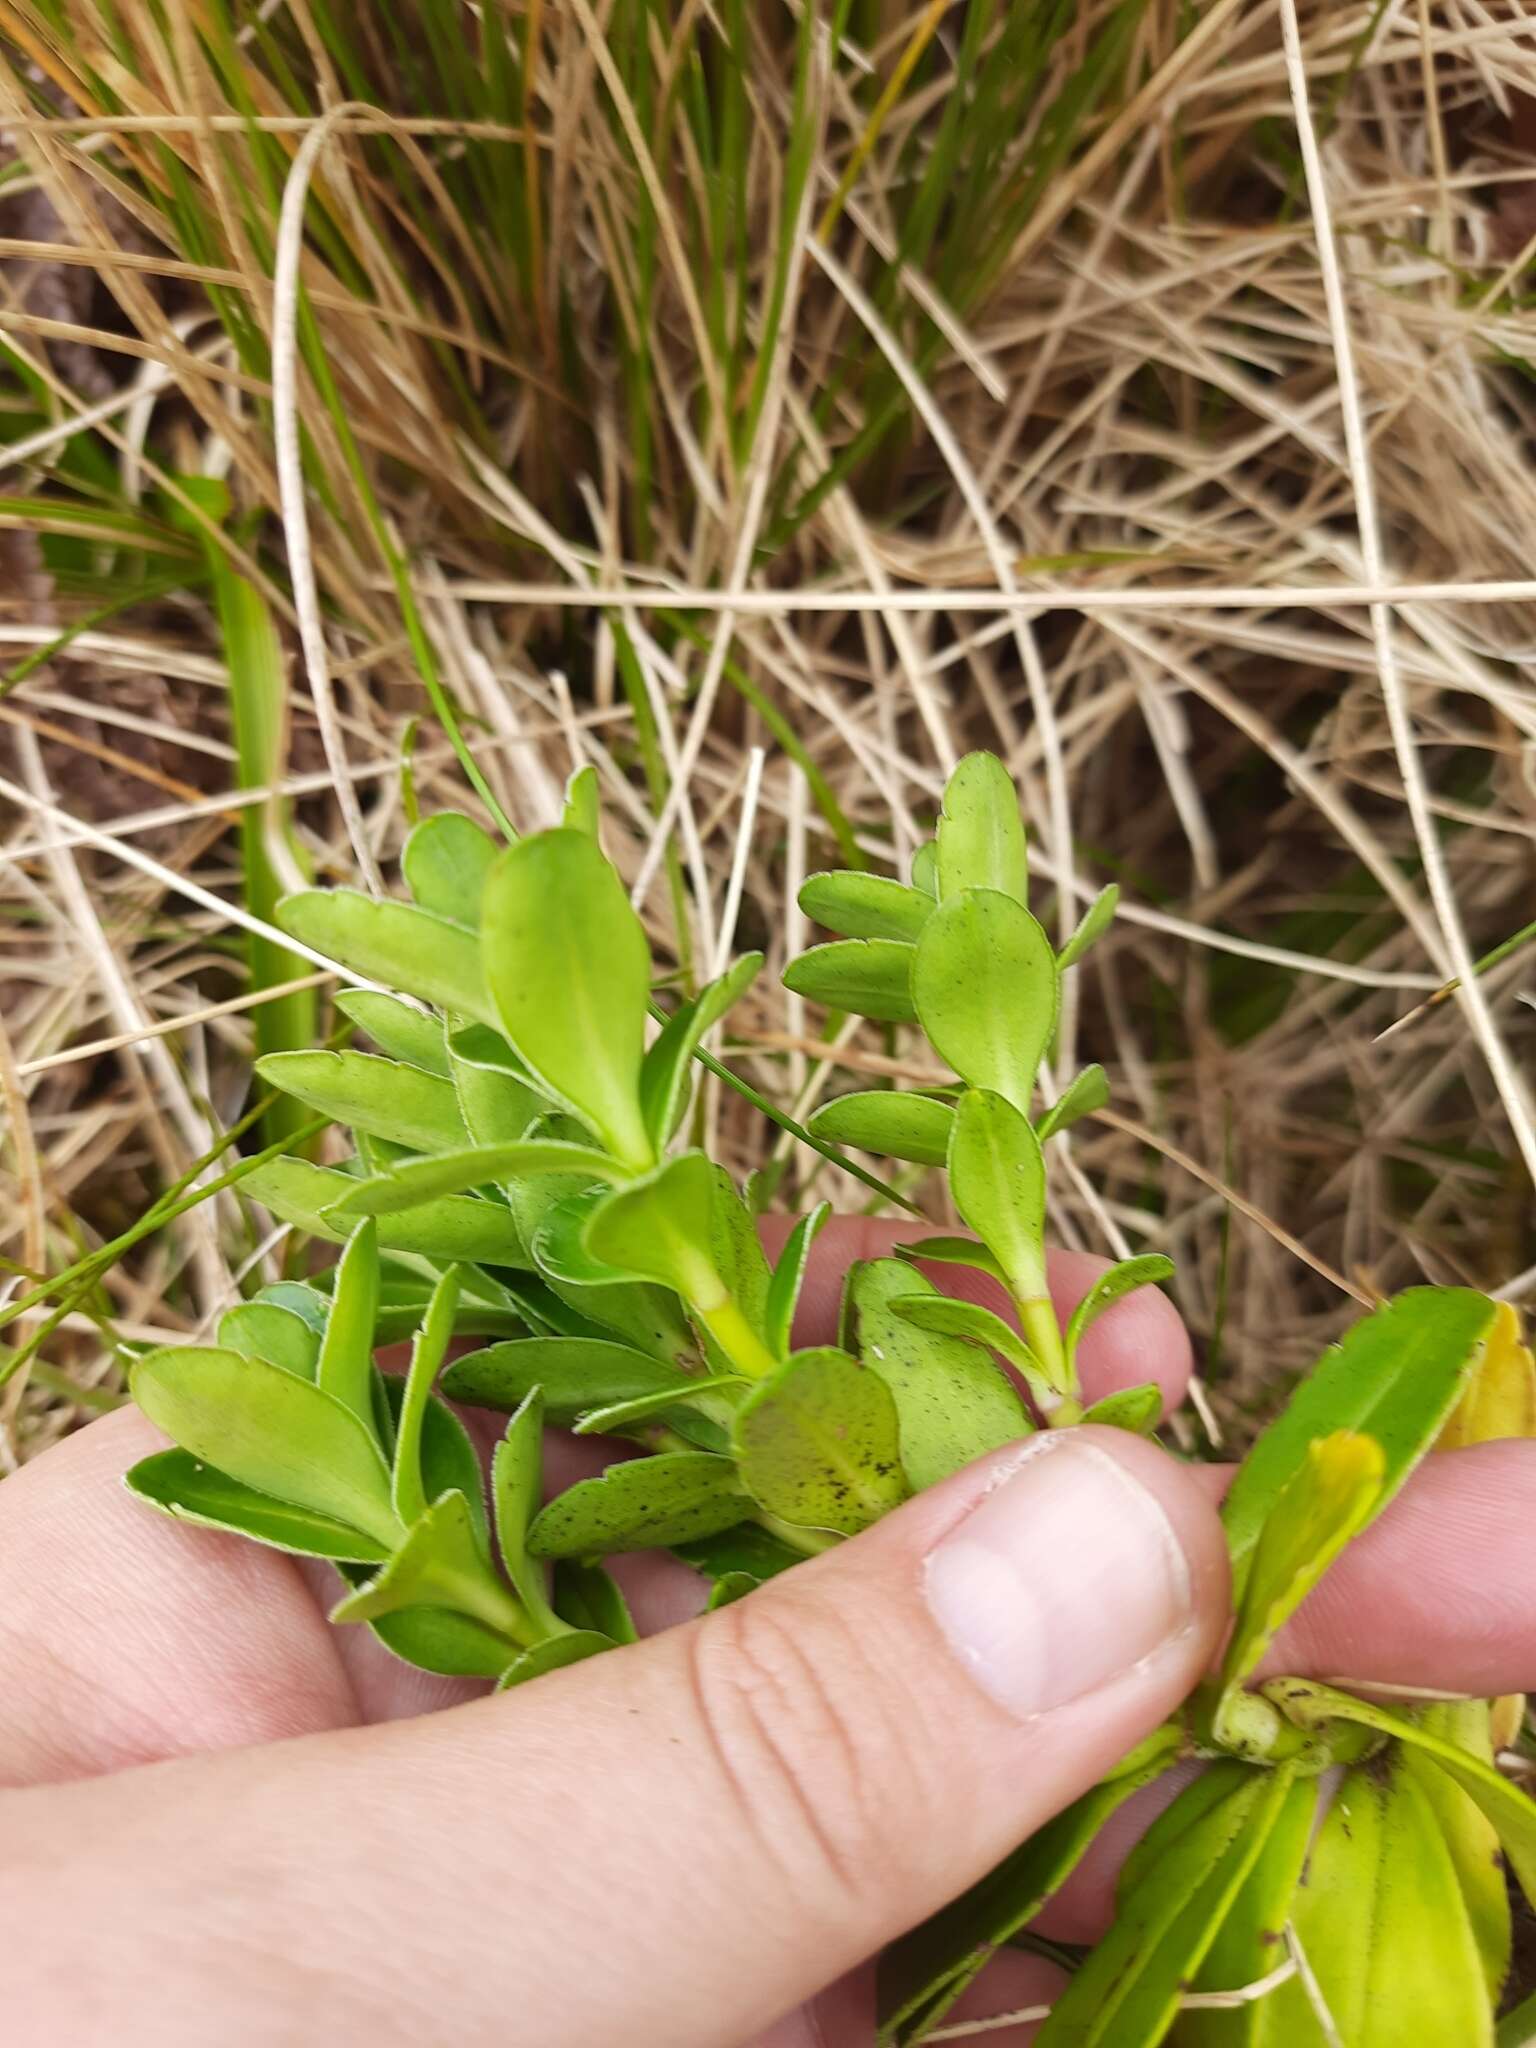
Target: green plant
(521,1175)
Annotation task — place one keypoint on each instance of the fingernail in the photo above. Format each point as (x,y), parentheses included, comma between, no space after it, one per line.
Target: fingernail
(1064,1576)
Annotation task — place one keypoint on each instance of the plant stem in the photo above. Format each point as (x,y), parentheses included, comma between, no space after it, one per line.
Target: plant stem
(737,1338)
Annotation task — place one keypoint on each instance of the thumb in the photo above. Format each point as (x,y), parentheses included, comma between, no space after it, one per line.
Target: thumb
(682,1840)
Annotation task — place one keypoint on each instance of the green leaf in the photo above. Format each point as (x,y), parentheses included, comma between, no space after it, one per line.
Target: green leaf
(554,1654)
(1396,1376)
(271,1431)
(182,1486)
(997,1178)
(415,1181)
(952,1251)
(1093,924)
(728,1589)
(583,802)
(985,986)
(445,862)
(952,1402)
(871,977)
(643,1504)
(260,1329)
(946,1316)
(1122,1279)
(925,1972)
(589,1598)
(437,1639)
(385,1098)
(567,962)
(427,1355)
(517,1471)
(398,1029)
(1250,1942)
(1511,1811)
(1518,2029)
(407,949)
(1085,1093)
(620,1416)
(925,868)
(345,1366)
(1176,1890)
(861,906)
(576,1375)
(745,1549)
(789,1278)
(440,1564)
(661,1228)
(1384,1927)
(818,1443)
(665,1070)
(453,1227)
(449,1461)
(738,1251)
(1470,1837)
(980,833)
(900,1125)
(300,1299)
(1331,1497)
(496,1098)
(1138,1409)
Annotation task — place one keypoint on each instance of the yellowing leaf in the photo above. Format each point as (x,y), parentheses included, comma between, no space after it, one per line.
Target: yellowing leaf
(1501,1401)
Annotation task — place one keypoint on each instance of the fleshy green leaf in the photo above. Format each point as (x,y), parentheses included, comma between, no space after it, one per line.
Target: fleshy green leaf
(745,1548)
(660,1228)
(952,1251)
(583,803)
(567,962)
(555,1653)
(947,1316)
(986,989)
(445,862)
(1176,1890)
(260,1329)
(789,1278)
(449,1461)
(925,868)
(1384,1928)
(952,1401)
(1470,1837)
(925,1972)
(453,1227)
(817,1443)
(1331,1497)
(576,1374)
(644,1504)
(1511,1811)
(981,834)
(397,944)
(345,1366)
(871,977)
(1138,1409)
(1085,1093)
(182,1486)
(619,1416)
(517,1470)
(302,1300)
(589,1598)
(440,1564)
(385,1098)
(1250,1942)
(271,1431)
(1121,1280)
(495,1093)
(436,1638)
(665,1070)
(398,1029)
(1093,924)
(1396,1376)
(728,1589)
(415,1181)
(738,1252)
(427,1355)
(860,906)
(901,1125)
(997,1178)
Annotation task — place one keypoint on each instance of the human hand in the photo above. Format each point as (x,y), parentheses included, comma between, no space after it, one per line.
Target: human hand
(683,1843)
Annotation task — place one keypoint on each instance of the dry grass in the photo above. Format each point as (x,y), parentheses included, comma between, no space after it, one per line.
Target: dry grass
(1146,479)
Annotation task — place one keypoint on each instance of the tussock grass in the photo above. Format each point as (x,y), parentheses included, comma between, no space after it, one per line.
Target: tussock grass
(405,405)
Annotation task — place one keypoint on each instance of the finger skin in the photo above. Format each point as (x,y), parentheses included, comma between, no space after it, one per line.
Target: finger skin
(769,1795)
